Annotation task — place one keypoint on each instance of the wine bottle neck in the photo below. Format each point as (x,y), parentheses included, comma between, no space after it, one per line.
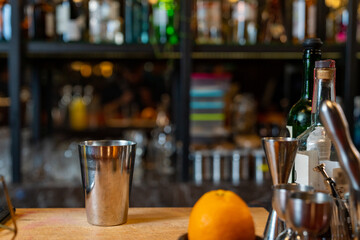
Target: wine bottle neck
(309,58)
(324,89)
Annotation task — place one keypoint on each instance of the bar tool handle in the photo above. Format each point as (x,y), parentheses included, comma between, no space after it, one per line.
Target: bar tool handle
(336,125)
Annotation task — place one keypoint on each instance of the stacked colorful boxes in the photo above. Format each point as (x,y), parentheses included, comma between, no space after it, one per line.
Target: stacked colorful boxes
(207,104)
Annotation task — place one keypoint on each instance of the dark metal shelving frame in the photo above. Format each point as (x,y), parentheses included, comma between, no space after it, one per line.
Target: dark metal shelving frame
(17,50)
(4,48)
(15,58)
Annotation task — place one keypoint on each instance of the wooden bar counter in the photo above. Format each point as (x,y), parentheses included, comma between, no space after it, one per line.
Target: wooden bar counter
(143,223)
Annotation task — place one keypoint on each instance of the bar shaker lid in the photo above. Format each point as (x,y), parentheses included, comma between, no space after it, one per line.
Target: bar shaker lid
(312,43)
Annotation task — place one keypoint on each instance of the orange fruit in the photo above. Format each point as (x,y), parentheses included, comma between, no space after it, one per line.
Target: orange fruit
(221,215)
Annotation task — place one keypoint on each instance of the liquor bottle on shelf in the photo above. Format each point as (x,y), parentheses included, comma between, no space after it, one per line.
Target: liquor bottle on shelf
(41,19)
(62,16)
(165,21)
(315,146)
(272,28)
(208,16)
(144,37)
(304,20)
(137,21)
(244,18)
(226,21)
(76,22)
(5,20)
(77,110)
(337,20)
(111,22)
(94,21)
(105,22)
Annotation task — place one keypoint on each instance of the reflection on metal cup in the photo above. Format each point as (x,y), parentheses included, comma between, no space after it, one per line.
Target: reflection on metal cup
(106,169)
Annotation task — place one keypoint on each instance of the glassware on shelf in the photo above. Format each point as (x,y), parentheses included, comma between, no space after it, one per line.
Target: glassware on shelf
(337,21)
(105,23)
(71,20)
(95,21)
(112,22)
(140,137)
(62,13)
(162,146)
(209,26)
(41,19)
(243,114)
(165,20)
(244,22)
(272,28)
(5,20)
(304,20)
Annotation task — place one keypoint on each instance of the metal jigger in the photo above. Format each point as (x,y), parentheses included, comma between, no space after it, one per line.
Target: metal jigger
(280,155)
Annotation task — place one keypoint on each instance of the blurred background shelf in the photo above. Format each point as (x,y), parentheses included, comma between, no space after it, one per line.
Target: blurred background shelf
(41,67)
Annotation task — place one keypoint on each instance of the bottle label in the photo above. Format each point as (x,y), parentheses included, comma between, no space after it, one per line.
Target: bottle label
(214,16)
(305,162)
(311,23)
(160,17)
(319,142)
(62,18)
(114,10)
(49,24)
(290,130)
(94,21)
(342,184)
(299,10)
(7,22)
(239,13)
(73,32)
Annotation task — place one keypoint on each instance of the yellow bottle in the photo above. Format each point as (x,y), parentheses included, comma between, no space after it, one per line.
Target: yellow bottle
(77,111)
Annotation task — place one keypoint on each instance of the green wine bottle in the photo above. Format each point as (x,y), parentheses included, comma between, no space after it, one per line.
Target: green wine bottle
(299,117)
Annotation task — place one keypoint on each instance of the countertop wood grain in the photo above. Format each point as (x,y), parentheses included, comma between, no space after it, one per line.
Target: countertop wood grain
(143,223)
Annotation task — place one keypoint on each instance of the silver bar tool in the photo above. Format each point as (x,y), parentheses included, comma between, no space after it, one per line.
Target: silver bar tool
(336,125)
